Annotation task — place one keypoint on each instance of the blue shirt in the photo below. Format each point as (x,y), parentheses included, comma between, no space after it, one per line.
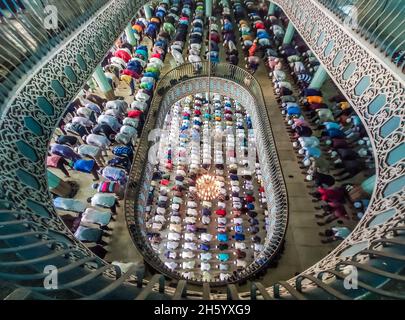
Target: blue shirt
(122,151)
(313,152)
(239,237)
(331,125)
(84,165)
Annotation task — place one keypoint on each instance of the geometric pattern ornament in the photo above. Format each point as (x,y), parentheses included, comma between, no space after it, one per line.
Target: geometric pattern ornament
(379,103)
(34,109)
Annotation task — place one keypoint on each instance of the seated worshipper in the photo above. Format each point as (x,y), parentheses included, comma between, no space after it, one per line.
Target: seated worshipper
(175,219)
(329,195)
(175,227)
(240,245)
(335,234)
(222,237)
(239,237)
(173,236)
(321,179)
(189,246)
(238,229)
(189,264)
(187,255)
(87,166)
(86,234)
(332,211)
(190,211)
(206,237)
(350,169)
(204,247)
(223,257)
(190,220)
(105,200)
(170,254)
(69,204)
(189,236)
(172,245)
(191,204)
(205,266)
(221,212)
(101,218)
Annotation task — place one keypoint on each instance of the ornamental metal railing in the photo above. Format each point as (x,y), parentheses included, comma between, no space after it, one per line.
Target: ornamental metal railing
(375,247)
(271,169)
(29,30)
(381,22)
(31,233)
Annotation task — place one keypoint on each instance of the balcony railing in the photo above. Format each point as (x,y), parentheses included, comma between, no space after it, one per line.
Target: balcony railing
(29,30)
(268,154)
(381,22)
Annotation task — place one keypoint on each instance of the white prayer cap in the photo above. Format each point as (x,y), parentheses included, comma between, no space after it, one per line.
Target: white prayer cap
(362,152)
(357,204)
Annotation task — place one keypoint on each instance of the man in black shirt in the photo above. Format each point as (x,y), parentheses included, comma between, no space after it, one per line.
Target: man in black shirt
(104,129)
(67,140)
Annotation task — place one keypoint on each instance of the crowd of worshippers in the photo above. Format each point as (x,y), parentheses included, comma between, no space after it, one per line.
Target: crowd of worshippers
(92,126)
(179,40)
(250,19)
(178,222)
(131,64)
(328,136)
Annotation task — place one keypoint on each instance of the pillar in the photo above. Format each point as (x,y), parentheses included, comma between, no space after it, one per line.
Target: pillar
(272,9)
(91,85)
(103,83)
(319,78)
(130,35)
(369,184)
(148,11)
(208,8)
(289,34)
